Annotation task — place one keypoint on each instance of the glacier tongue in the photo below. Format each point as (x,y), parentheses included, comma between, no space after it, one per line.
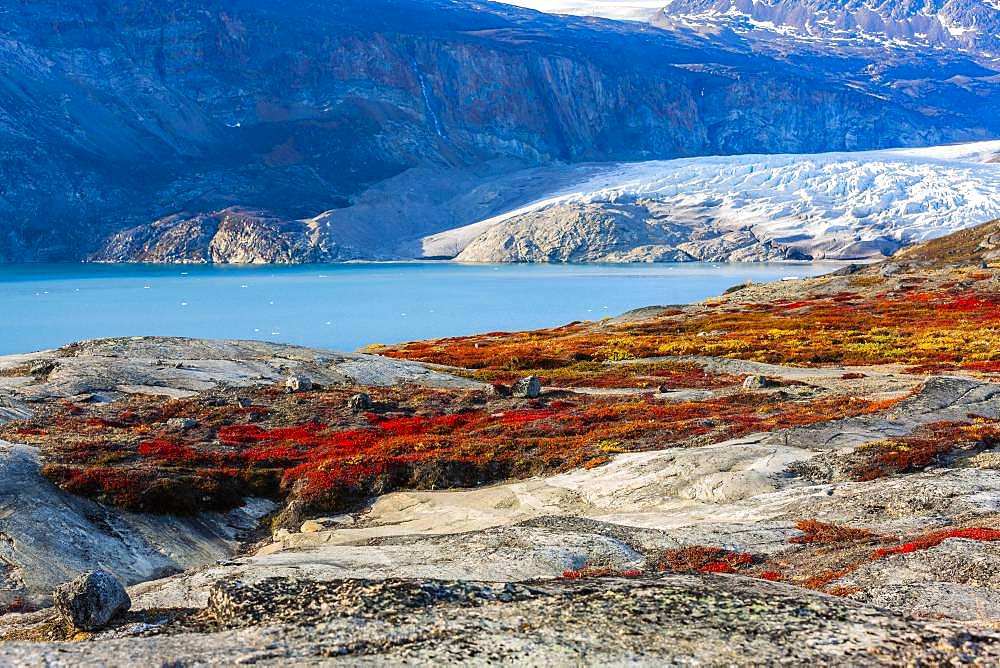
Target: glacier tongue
(826,205)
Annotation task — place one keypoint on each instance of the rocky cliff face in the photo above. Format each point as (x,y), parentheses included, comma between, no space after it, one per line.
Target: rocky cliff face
(230,236)
(642,232)
(115,113)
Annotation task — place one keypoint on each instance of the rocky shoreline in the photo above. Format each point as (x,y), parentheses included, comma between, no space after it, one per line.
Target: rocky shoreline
(688,485)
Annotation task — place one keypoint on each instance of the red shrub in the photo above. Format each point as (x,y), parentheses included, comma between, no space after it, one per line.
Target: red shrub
(826,534)
(599,572)
(241,434)
(167,451)
(938,537)
(516,417)
(705,559)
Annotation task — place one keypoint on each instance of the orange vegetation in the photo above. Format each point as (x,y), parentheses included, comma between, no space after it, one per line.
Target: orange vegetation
(928,446)
(951,328)
(309,446)
(817,532)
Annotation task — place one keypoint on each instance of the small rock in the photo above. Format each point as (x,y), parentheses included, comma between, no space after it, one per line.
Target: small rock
(92,600)
(181,423)
(327,523)
(758,383)
(360,402)
(737,288)
(500,390)
(296,383)
(889,269)
(530,387)
(42,368)
(244,403)
(848,270)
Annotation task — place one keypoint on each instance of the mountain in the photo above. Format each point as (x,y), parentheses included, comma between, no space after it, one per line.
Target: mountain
(749,207)
(118,113)
(968,25)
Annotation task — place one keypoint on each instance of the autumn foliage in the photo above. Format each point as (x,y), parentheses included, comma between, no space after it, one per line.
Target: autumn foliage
(816,532)
(704,559)
(945,329)
(930,445)
(312,447)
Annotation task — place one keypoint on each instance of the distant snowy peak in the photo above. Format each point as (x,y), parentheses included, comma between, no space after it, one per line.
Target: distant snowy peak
(969,25)
(827,205)
(972,25)
(622,10)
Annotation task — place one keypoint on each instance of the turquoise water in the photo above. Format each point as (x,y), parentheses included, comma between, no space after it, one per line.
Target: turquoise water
(342,306)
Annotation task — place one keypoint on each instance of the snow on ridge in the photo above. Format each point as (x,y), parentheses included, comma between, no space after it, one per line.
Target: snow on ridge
(621,10)
(907,195)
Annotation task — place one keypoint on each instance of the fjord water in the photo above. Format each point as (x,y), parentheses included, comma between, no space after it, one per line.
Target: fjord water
(341,307)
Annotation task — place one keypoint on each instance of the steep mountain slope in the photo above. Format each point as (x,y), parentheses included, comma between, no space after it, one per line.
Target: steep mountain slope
(750,207)
(115,113)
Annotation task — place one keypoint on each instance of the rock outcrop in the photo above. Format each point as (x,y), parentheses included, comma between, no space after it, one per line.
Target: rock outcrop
(644,232)
(231,236)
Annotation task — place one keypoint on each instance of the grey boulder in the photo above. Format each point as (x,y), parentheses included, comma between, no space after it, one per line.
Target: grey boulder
(92,600)
(360,402)
(530,387)
(758,383)
(296,383)
(181,423)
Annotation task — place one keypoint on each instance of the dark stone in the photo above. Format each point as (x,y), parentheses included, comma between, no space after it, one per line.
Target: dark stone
(92,600)
(737,288)
(529,388)
(360,402)
(501,390)
(847,271)
(42,368)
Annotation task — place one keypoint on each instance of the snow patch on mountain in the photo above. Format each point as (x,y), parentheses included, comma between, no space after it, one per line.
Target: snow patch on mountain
(623,10)
(825,205)
(972,25)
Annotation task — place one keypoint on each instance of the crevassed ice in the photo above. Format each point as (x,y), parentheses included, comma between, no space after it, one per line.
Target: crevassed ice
(904,194)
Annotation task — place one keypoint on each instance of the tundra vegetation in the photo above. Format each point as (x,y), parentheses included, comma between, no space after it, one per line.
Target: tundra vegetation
(660,379)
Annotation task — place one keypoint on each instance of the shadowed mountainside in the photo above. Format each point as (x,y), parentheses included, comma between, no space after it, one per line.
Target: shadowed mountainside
(114,113)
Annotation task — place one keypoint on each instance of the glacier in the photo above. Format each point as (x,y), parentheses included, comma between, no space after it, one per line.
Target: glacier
(845,205)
